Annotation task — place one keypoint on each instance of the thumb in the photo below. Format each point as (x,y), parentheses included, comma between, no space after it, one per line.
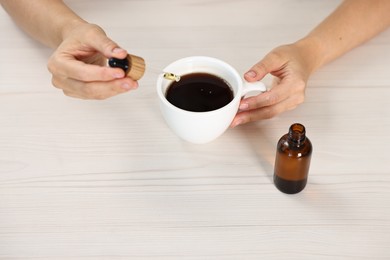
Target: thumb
(267,65)
(110,49)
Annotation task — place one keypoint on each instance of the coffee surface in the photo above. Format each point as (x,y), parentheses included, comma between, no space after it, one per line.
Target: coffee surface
(199,92)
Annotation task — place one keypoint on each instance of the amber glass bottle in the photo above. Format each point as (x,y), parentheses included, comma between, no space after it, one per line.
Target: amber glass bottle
(292,161)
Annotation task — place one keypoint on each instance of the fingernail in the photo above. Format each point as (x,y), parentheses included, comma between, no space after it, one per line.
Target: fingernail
(126,86)
(118,50)
(236,123)
(251,74)
(244,106)
(118,75)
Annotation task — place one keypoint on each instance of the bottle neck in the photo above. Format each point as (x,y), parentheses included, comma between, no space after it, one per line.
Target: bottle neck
(297,134)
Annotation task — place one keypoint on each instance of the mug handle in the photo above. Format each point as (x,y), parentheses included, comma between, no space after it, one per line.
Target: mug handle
(252,86)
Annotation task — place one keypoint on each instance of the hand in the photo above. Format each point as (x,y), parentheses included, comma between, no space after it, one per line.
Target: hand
(291,66)
(79,65)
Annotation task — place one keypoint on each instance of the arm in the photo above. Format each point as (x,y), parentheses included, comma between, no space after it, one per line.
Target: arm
(81,49)
(48,21)
(351,24)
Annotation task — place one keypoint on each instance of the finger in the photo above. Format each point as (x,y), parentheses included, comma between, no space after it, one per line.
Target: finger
(266,112)
(94,90)
(277,94)
(268,64)
(66,65)
(282,89)
(72,94)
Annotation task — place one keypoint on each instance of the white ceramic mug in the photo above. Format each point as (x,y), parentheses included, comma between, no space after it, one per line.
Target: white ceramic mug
(203,127)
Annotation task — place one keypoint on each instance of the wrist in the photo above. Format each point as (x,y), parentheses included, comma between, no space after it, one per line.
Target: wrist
(70,26)
(312,52)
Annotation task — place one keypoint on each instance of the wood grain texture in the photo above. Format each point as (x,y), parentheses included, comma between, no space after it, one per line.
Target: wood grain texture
(108,179)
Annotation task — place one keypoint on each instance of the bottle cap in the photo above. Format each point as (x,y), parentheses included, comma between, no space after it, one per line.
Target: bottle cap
(136,67)
(132,65)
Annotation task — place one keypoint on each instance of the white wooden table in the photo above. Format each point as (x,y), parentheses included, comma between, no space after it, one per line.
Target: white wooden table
(108,179)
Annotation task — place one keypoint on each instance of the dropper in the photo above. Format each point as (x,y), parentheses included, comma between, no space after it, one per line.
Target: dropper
(134,67)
